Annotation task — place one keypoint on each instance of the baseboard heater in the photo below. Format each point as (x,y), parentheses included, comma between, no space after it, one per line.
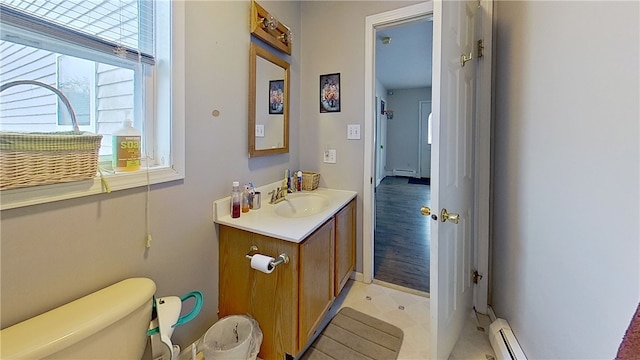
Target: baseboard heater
(401,172)
(503,342)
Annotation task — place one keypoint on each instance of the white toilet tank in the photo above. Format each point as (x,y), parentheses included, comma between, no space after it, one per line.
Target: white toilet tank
(111,323)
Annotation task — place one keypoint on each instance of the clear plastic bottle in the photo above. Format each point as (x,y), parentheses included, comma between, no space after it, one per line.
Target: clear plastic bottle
(126,148)
(246,198)
(236,200)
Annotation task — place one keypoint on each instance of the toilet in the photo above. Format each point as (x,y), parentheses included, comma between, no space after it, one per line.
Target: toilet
(110,323)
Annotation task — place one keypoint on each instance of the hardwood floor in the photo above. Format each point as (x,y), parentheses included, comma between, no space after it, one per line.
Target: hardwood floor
(402,234)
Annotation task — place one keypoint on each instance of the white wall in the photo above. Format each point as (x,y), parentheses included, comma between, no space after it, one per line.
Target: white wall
(565,248)
(332,41)
(403,131)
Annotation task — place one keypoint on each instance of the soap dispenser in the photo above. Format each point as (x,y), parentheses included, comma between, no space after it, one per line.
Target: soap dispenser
(126,148)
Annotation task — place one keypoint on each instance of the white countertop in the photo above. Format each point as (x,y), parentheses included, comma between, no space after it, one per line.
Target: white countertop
(265,221)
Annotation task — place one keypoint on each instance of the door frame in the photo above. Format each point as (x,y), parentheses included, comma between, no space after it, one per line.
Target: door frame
(483,141)
(368,199)
(483,170)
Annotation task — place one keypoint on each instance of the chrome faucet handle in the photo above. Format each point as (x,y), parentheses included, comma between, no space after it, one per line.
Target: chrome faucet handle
(278,195)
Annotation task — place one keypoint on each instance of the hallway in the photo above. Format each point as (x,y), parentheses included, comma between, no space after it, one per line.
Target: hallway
(402,234)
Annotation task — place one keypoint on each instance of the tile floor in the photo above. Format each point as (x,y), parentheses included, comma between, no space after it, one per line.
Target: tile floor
(410,312)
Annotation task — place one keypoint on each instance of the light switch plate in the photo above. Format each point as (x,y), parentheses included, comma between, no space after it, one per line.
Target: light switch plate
(259,130)
(353,132)
(330,156)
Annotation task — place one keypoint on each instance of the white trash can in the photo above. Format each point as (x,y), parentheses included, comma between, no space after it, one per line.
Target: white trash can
(234,337)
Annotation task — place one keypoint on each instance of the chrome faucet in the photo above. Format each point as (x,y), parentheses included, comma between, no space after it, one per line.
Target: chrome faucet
(278,195)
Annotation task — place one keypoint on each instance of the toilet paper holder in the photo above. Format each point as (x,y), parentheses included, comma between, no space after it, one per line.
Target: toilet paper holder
(282,258)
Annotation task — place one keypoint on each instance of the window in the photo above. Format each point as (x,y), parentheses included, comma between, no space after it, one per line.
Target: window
(113,60)
(76,80)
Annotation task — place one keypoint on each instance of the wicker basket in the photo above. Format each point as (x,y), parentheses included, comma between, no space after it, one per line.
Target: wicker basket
(30,159)
(310,180)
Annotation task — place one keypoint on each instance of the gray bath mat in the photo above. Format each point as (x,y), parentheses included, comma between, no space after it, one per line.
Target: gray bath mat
(353,335)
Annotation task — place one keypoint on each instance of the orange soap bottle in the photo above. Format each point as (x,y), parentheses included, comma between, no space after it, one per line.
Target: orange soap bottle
(126,148)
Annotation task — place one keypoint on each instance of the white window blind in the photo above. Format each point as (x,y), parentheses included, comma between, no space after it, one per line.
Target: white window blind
(121,28)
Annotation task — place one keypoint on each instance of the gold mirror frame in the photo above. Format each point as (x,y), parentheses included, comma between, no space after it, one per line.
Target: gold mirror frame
(255,53)
(278,37)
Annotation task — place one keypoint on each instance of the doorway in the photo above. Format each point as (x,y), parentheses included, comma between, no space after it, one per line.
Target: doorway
(403,58)
(449,262)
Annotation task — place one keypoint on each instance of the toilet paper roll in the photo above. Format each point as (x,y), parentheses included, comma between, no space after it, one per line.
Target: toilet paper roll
(262,263)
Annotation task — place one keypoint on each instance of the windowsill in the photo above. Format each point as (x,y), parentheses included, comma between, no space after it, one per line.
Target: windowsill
(15,198)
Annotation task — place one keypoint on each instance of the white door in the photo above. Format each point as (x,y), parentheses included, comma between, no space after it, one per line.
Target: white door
(452,170)
(425,145)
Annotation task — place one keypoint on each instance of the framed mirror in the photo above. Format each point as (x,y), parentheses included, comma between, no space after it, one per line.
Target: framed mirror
(268,103)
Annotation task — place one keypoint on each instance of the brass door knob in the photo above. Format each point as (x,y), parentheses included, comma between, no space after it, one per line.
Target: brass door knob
(453,217)
(425,210)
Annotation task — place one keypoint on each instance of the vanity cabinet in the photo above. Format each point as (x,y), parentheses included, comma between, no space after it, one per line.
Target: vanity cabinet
(345,245)
(291,302)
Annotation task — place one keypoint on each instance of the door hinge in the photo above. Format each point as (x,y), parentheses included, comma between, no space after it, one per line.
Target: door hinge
(480,48)
(476,276)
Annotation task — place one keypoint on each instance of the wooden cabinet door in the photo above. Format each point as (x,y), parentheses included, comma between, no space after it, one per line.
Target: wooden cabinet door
(234,295)
(345,249)
(316,280)
(272,299)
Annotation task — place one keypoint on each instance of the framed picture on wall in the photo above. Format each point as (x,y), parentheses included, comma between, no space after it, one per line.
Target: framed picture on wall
(330,93)
(276,96)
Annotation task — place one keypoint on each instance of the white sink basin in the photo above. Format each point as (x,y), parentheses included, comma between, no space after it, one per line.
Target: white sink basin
(301,205)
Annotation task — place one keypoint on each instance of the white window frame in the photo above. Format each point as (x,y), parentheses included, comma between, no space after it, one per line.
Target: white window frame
(172,161)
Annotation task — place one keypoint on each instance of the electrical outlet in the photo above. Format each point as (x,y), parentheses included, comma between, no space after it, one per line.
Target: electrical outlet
(353,132)
(259,130)
(330,156)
